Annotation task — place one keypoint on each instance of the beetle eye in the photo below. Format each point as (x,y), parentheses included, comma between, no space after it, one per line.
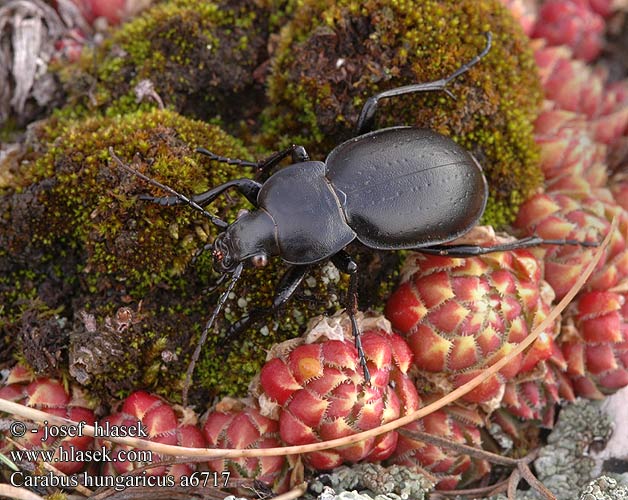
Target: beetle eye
(259,260)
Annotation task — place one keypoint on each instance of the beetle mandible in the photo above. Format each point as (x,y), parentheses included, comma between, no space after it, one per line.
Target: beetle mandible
(393,188)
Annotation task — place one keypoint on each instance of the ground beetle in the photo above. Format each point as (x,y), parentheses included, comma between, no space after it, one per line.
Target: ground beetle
(393,188)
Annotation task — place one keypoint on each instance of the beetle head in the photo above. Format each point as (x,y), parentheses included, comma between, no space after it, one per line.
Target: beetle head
(251,238)
(224,262)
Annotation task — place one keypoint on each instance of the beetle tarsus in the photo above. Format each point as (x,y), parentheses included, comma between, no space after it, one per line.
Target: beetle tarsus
(224,159)
(263,167)
(343,261)
(165,201)
(219,223)
(358,346)
(473,250)
(466,67)
(586,244)
(450,94)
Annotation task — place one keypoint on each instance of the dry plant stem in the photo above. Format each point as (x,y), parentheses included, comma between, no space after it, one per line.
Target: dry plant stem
(485,491)
(465,448)
(208,453)
(533,482)
(295,492)
(8,491)
(521,465)
(513,481)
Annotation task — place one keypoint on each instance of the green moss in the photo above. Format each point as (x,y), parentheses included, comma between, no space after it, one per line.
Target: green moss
(92,202)
(75,237)
(17,290)
(77,216)
(200,58)
(8,130)
(331,58)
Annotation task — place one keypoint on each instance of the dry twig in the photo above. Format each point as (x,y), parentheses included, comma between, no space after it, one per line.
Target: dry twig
(521,466)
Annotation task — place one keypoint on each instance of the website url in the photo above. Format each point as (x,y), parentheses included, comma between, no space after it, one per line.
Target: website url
(71,454)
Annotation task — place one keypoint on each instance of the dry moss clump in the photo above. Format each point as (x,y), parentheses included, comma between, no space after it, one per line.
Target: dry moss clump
(200,58)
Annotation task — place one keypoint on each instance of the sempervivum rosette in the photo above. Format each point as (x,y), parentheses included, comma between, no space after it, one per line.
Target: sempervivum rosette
(573,23)
(449,468)
(316,386)
(619,189)
(534,393)
(161,424)
(581,133)
(459,316)
(582,217)
(571,159)
(49,395)
(594,338)
(595,343)
(233,424)
(571,85)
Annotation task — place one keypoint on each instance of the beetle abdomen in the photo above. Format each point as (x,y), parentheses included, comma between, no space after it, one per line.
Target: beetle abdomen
(404,187)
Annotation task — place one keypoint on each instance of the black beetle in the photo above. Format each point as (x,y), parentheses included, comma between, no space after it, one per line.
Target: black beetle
(393,188)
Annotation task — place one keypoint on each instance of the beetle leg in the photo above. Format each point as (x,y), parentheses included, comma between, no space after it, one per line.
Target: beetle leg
(237,329)
(219,223)
(208,326)
(367,115)
(263,167)
(471,250)
(288,284)
(343,261)
(224,159)
(246,187)
(286,288)
(297,153)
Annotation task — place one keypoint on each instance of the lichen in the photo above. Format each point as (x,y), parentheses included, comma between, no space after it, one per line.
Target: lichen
(604,488)
(200,58)
(370,481)
(332,57)
(564,464)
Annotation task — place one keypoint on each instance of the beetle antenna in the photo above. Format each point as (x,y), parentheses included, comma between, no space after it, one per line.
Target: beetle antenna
(219,282)
(197,352)
(219,223)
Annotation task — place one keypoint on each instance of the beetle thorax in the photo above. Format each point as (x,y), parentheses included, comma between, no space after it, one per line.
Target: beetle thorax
(251,237)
